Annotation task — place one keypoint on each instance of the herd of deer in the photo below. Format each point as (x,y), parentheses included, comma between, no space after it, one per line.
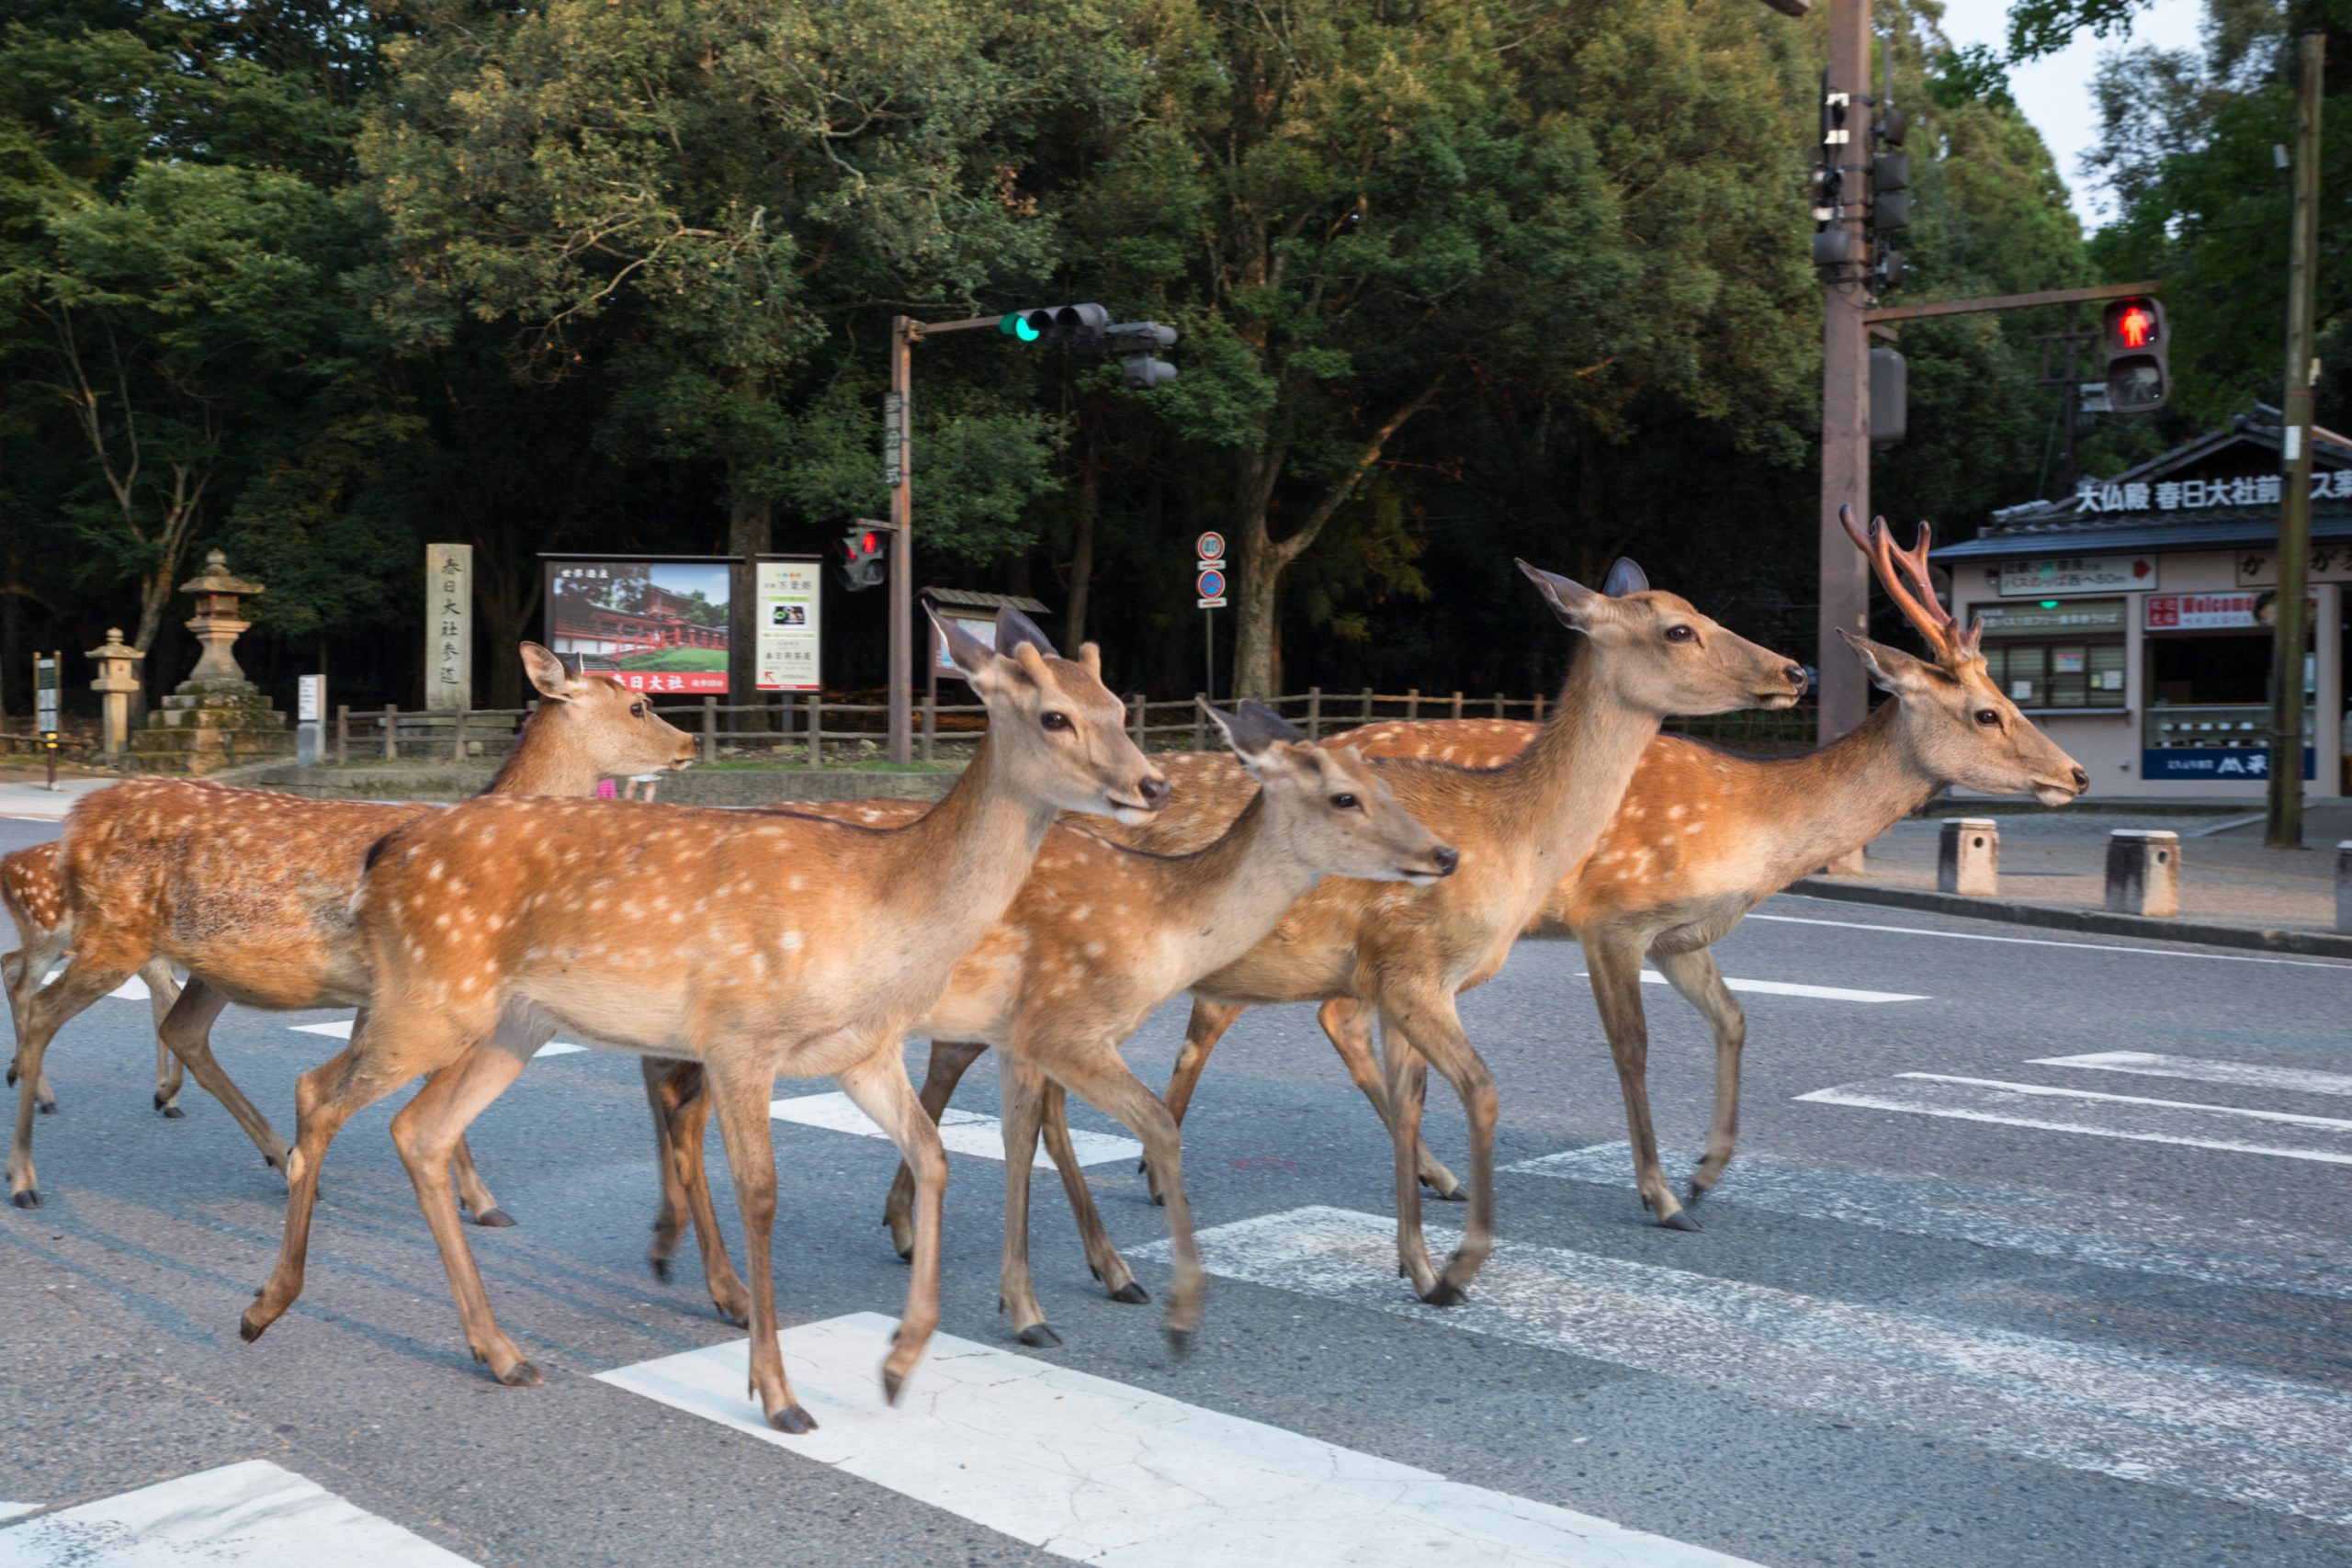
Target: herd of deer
(1378,873)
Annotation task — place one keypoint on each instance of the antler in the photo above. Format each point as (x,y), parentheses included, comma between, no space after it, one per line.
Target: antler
(1917,599)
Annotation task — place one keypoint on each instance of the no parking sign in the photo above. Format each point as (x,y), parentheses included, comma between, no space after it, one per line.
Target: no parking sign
(1210,549)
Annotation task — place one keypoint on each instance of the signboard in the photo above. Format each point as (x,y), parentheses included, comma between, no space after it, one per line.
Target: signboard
(789,606)
(655,624)
(1210,585)
(46,675)
(2089,615)
(2186,495)
(2210,762)
(2248,610)
(449,625)
(2328,563)
(2050,575)
(1210,546)
(981,623)
(893,440)
(309,698)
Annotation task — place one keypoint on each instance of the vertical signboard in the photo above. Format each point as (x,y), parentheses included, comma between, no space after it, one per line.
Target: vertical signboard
(48,670)
(449,625)
(790,608)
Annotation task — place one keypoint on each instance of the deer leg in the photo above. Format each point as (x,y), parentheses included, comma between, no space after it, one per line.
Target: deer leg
(163,990)
(428,1132)
(1616,967)
(1407,1075)
(883,1090)
(739,1088)
(1347,1023)
(1023,1110)
(1702,983)
(1105,1081)
(1203,1030)
(45,1014)
(1433,1029)
(1102,1258)
(681,1113)
(473,1191)
(663,1099)
(186,1029)
(950,1060)
(24,972)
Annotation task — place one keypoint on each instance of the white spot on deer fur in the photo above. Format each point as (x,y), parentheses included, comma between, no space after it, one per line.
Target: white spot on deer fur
(789,942)
(441,920)
(434,871)
(797,883)
(1674,810)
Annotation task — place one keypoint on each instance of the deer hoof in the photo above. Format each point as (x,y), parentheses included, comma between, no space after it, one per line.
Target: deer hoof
(172,1112)
(1697,1192)
(1180,1342)
(892,1384)
(660,1267)
(1131,1293)
(1037,1336)
(1459,1195)
(1156,1198)
(249,1328)
(907,1254)
(28,1198)
(522,1374)
(793,1420)
(1679,1220)
(1445,1293)
(494,1219)
(46,1107)
(1143,1167)
(739,1317)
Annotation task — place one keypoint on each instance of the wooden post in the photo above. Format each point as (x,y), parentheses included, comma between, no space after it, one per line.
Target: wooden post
(1315,713)
(1200,721)
(710,730)
(1412,703)
(816,729)
(1365,717)
(391,722)
(1539,707)
(457,736)
(343,732)
(2283,825)
(930,721)
(1457,704)
(1499,705)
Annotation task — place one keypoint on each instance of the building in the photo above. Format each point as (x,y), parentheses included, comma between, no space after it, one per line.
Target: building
(2131,620)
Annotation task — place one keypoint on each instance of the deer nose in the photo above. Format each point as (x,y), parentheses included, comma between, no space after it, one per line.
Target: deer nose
(1445,857)
(1154,790)
(1796,677)
(2081,781)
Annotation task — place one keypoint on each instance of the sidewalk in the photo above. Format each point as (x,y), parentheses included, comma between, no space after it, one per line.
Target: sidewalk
(2233,890)
(29,798)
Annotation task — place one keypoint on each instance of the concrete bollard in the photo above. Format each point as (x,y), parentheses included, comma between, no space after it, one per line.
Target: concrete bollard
(2343,887)
(2144,872)
(1968,857)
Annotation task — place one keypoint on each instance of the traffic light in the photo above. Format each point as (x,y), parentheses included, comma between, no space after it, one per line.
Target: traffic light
(2134,334)
(865,555)
(1057,326)
(1140,341)
(1089,329)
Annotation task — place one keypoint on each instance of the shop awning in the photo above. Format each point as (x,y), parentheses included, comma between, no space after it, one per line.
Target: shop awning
(2221,527)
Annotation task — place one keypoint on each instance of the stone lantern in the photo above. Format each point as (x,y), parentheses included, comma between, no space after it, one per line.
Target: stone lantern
(116,683)
(216,623)
(215,719)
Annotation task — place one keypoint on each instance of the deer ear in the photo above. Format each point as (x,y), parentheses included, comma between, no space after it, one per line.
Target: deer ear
(974,659)
(1013,629)
(1891,668)
(1264,747)
(1273,723)
(1625,578)
(550,675)
(1571,601)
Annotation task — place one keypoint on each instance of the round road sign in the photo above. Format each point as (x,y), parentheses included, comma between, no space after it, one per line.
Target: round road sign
(1210,546)
(1211,584)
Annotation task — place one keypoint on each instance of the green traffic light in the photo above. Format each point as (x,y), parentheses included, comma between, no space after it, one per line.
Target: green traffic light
(2050,603)
(1018,325)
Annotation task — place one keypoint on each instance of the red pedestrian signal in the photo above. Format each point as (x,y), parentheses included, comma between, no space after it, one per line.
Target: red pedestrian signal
(864,558)
(2134,325)
(2134,334)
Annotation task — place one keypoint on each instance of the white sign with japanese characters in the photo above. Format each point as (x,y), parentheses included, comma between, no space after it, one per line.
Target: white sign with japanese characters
(2179,495)
(787,606)
(2075,574)
(2328,563)
(449,625)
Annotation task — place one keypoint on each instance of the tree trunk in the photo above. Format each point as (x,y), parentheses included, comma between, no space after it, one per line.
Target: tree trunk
(1081,555)
(750,535)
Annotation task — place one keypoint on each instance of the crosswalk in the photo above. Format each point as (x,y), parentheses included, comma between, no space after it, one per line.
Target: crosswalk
(340,1029)
(251,1515)
(963,1131)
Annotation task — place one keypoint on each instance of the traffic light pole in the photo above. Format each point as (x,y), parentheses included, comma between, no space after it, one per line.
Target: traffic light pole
(1846,392)
(2284,829)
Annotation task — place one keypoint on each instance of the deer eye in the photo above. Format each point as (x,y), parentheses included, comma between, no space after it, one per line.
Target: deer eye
(1052,720)
(1344,802)
(637,710)
(1988,717)
(1680,633)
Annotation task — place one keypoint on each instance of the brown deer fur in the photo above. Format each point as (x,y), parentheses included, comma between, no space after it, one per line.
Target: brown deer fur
(35,895)
(801,946)
(249,890)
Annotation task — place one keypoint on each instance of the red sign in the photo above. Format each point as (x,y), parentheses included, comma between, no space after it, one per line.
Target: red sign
(2201,612)
(1210,546)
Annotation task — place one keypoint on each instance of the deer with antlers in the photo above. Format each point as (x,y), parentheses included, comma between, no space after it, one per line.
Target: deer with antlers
(1100,936)
(249,890)
(1703,836)
(800,946)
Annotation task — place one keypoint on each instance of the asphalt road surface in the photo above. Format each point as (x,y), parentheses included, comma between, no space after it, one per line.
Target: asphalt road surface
(2039,1250)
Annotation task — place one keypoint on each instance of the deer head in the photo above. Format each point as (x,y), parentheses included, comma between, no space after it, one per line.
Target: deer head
(1327,808)
(1057,734)
(1660,655)
(1958,726)
(594,718)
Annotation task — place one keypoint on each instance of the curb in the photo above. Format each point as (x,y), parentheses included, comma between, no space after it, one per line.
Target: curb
(2102,923)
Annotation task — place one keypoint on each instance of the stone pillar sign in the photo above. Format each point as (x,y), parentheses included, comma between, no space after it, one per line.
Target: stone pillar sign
(449,625)
(216,718)
(116,683)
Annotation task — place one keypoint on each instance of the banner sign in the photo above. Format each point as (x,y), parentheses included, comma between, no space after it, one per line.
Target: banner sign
(46,675)
(2328,563)
(2180,495)
(655,624)
(2210,762)
(2075,574)
(449,625)
(2073,615)
(2212,612)
(789,610)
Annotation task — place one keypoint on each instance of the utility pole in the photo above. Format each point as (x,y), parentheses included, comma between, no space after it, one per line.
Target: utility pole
(2285,828)
(1846,378)
(900,471)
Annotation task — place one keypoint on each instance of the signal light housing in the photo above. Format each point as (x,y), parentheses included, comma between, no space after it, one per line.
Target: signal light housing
(866,559)
(2136,340)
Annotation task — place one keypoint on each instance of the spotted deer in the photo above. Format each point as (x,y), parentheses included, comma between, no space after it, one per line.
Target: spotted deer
(797,945)
(1099,935)
(35,896)
(1703,837)
(248,891)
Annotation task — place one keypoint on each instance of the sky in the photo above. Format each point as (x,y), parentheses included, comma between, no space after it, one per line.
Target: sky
(2055,91)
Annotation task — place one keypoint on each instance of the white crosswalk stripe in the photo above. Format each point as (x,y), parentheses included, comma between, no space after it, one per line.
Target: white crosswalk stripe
(963,1131)
(252,1515)
(1109,1474)
(2078,1227)
(2200,1069)
(2264,1442)
(1788,989)
(2282,1133)
(340,1029)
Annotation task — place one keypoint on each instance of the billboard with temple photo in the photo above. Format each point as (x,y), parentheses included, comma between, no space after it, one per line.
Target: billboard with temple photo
(658,624)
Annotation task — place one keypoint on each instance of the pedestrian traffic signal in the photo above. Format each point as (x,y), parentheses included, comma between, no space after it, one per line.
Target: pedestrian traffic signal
(864,558)
(2133,333)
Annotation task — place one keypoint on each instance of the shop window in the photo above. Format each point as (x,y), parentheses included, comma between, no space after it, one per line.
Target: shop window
(2057,674)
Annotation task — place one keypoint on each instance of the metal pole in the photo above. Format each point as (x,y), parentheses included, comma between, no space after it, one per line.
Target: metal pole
(1846,388)
(1208,645)
(2285,827)
(902,544)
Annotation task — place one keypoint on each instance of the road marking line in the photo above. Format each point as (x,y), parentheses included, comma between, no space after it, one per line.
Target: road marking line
(2199,1070)
(2130,1117)
(2265,1442)
(964,1132)
(340,1029)
(10,1510)
(1787,989)
(252,1515)
(2076,1227)
(134,989)
(1105,1473)
(2047,942)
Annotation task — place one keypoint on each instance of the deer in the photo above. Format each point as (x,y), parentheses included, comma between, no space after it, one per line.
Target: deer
(34,894)
(1703,837)
(802,945)
(247,890)
(1100,936)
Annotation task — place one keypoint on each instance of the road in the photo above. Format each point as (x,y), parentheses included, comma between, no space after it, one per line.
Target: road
(2039,1250)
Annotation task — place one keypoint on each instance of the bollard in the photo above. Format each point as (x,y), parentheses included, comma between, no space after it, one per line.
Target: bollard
(2144,872)
(1968,857)
(2343,887)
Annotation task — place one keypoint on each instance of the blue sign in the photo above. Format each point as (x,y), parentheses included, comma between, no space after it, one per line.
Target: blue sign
(2239,762)
(1212,585)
